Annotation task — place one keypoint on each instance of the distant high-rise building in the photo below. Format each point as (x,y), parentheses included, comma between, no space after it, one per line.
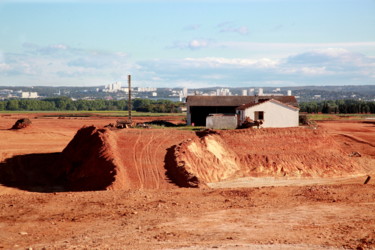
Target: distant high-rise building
(184,92)
(244,92)
(251,91)
(29,95)
(223,92)
(260,92)
(289,93)
(113,87)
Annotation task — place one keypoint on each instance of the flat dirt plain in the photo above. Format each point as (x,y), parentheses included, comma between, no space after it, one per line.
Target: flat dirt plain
(304,205)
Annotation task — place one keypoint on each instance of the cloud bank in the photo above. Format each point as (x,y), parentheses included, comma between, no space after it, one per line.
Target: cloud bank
(60,64)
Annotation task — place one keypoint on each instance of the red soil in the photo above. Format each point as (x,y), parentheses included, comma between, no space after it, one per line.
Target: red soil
(319,216)
(98,159)
(291,152)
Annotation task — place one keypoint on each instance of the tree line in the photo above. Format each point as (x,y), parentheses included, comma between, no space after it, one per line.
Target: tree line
(66,104)
(338,106)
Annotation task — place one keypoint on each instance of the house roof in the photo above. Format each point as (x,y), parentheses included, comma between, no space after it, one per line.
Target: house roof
(235,101)
(252,104)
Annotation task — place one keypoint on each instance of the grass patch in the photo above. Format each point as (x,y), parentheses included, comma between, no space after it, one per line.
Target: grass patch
(93,113)
(191,128)
(323,117)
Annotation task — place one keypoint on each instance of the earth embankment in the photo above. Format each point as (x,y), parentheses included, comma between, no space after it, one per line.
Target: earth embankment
(98,159)
(289,152)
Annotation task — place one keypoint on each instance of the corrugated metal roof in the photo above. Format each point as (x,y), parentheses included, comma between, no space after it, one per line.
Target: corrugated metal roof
(235,101)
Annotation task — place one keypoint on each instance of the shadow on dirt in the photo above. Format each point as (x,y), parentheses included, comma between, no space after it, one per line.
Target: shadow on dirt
(176,171)
(34,172)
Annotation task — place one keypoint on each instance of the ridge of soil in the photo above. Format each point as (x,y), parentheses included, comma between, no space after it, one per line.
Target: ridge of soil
(102,159)
(287,152)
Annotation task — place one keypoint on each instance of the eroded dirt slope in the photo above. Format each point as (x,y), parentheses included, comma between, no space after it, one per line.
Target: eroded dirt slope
(98,159)
(290,152)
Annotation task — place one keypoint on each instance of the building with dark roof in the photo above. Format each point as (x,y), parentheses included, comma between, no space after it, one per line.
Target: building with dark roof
(199,107)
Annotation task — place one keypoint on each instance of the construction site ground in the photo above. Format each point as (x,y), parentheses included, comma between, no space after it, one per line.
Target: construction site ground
(244,213)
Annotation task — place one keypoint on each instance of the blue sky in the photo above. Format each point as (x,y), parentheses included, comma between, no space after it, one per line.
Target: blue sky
(190,44)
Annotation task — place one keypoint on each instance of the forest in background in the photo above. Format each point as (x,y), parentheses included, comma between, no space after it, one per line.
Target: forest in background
(166,106)
(66,104)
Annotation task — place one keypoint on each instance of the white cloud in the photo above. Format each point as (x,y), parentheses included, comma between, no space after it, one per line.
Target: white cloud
(4,67)
(64,65)
(231,28)
(314,70)
(198,44)
(218,62)
(194,44)
(323,66)
(282,50)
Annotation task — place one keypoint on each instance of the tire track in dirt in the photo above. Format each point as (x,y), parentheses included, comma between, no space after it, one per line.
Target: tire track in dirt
(150,165)
(153,164)
(357,139)
(136,166)
(144,159)
(158,175)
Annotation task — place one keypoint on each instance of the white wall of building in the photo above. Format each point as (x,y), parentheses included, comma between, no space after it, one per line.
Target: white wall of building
(221,121)
(276,115)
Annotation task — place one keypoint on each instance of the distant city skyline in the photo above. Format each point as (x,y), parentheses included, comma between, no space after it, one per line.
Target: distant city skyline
(190,44)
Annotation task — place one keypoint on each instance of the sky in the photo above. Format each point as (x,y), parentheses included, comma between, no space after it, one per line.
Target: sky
(182,43)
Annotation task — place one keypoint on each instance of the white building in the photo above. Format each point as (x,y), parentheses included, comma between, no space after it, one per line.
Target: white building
(199,107)
(244,92)
(273,113)
(184,92)
(260,92)
(289,93)
(113,87)
(145,89)
(29,95)
(223,92)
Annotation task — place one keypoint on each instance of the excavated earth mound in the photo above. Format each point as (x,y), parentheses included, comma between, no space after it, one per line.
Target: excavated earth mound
(287,152)
(98,159)
(21,123)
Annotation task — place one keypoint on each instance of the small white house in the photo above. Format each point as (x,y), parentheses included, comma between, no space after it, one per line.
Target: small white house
(273,113)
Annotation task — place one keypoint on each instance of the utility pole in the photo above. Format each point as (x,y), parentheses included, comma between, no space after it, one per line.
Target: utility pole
(130,98)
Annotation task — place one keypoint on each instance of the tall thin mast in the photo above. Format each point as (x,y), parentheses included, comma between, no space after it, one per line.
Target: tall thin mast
(130,98)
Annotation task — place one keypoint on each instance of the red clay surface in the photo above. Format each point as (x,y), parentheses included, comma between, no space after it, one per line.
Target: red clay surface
(158,214)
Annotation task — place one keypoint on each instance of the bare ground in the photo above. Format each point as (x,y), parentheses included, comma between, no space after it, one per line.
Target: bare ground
(292,214)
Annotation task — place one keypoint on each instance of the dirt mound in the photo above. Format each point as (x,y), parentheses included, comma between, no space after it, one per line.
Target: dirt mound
(291,152)
(22,123)
(98,159)
(89,160)
(102,159)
